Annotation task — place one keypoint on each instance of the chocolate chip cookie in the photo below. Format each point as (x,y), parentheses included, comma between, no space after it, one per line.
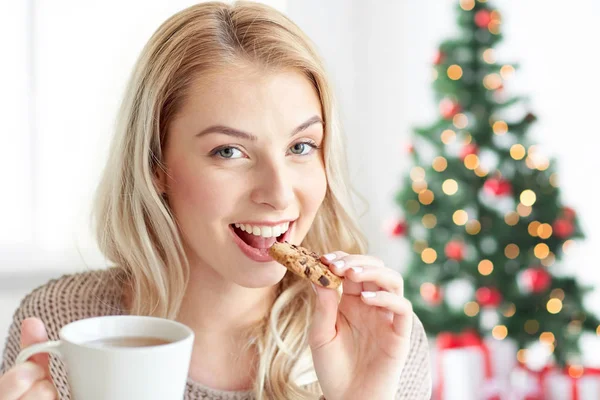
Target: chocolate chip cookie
(304,263)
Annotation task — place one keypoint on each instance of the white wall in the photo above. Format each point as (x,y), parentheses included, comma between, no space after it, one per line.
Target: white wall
(379,55)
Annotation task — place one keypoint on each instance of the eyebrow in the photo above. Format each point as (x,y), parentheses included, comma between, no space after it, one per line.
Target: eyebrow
(248,136)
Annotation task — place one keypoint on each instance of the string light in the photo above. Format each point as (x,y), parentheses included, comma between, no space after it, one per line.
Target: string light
(511,251)
(467,138)
(460,121)
(492,81)
(548,261)
(507,71)
(554,306)
(494,25)
(450,187)
(575,371)
(541,250)
(420,245)
(426,197)
(434,74)
(510,310)
(471,161)
(448,136)
(419,186)
(429,255)
(557,294)
(517,151)
(440,164)
(472,309)
(429,221)
(547,337)
(500,332)
(413,206)
(522,356)
(500,127)
(523,210)
(467,5)
(511,218)
(528,197)
(460,217)
(454,72)
(544,231)
(473,227)
(567,245)
(485,267)
(598,330)
(554,179)
(480,172)
(532,326)
(417,174)
(532,228)
(489,56)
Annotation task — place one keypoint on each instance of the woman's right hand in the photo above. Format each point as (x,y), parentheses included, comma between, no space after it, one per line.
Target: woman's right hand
(30,380)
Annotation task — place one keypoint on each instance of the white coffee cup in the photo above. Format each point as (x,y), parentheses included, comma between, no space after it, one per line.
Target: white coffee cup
(104,372)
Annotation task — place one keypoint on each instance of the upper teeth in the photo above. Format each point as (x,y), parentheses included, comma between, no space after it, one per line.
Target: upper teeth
(264,231)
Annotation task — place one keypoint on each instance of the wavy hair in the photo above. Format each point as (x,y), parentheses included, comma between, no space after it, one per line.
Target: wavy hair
(133,224)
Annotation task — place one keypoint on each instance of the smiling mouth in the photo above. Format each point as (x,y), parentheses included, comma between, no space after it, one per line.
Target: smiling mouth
(261,238)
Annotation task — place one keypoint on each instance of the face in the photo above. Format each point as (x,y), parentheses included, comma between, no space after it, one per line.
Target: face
(244,168)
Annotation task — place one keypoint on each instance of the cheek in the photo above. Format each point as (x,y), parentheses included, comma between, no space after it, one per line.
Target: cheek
(313,187)
(197,194)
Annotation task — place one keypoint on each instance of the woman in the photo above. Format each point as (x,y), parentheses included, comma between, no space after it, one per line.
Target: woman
(227,141)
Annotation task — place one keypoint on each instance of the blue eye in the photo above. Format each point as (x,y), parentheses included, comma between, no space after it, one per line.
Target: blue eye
(303,148)
(228,152)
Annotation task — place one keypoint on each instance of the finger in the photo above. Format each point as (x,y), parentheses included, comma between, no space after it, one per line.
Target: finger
(19,379)
(343,261)
(42,390)
(33,331)
(323,325)
(400,306)
(384,278)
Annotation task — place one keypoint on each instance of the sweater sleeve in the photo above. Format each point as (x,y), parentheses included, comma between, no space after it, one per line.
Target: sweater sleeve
(42,303)
(415,381)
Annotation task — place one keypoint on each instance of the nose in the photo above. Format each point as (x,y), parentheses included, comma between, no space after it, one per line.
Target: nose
(272,187)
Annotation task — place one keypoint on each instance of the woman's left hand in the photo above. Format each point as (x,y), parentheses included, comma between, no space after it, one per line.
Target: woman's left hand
(360,345)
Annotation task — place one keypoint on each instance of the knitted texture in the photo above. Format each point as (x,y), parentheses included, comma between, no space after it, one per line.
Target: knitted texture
(99,293)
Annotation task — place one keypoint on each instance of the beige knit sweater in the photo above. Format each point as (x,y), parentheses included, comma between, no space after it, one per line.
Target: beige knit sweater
(98,293)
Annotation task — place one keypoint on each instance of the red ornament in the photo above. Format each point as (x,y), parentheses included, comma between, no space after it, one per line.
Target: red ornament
(483,18)
(562,228)
(455,250)
(488,297)
(410,148)
(568,213)
(468,149)
(497,187)
(449,108)
(399,229)
(432,294)
(535,280)
(439,58)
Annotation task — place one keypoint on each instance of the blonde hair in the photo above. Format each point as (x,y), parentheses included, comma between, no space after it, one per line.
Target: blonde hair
(134,226)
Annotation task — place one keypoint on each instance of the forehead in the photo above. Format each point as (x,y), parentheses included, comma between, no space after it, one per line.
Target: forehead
(247,97)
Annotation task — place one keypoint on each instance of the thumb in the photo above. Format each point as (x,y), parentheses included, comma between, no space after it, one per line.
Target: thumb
(33,331)
(322,328)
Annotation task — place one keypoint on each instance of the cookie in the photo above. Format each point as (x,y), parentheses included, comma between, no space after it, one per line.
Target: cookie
(304,263)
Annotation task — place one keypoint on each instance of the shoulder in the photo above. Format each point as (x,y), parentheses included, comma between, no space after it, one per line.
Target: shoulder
(72,297)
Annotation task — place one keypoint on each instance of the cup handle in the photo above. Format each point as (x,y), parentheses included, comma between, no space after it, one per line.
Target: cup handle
(46,347)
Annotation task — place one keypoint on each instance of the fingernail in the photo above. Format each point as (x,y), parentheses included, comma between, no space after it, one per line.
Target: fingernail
(329,256)
(357,269)
(368,295)
(312,285)
(339,264)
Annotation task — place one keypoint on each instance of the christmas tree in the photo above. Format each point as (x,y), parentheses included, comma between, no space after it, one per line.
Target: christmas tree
(482,207)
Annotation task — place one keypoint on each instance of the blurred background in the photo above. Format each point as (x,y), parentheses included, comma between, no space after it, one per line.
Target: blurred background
(65,64)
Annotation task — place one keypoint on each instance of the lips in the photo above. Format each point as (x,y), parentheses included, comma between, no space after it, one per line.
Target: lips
(256,247)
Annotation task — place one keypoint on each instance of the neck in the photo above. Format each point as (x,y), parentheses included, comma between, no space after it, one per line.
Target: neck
(221,313)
